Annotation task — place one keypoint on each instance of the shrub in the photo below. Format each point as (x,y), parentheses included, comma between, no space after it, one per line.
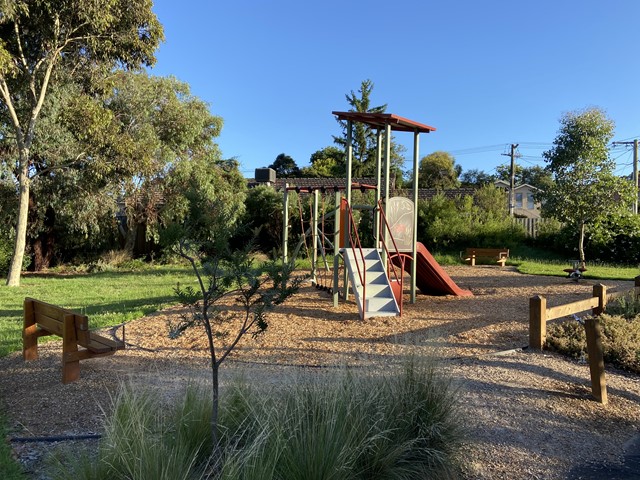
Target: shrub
(620,340)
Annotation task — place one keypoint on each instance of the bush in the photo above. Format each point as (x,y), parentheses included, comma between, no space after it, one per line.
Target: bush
(446,224)
(620,340)
(401,424)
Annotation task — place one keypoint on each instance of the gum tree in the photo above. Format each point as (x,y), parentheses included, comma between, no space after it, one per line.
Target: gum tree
(39,39)
(585,190)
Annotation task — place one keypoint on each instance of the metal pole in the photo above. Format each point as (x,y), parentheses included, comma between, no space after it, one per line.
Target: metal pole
(414,240)
(314,225)
(345,234)
(285,223)
(387,169)
(635,176)
(376,216)
(336,250)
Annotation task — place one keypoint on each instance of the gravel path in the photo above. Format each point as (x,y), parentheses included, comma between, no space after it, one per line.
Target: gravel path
(529,415)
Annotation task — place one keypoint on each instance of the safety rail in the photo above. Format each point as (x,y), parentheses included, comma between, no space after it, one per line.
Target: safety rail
(362,275)
(390,265)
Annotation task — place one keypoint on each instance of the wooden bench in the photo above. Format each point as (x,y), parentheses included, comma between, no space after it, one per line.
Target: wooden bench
(42,319)
(500,255)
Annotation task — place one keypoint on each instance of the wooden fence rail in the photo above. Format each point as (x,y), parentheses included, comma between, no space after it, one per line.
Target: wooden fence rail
(540,314)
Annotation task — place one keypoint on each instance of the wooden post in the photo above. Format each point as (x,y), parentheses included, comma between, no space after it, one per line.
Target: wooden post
(537,322)
(70,361)
(29,332)
(600,291)
(596,359)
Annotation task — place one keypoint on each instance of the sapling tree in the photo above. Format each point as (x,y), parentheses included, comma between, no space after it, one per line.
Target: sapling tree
(223,274)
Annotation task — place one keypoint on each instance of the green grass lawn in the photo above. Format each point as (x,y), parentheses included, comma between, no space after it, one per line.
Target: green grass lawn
(594,271)
(108,298)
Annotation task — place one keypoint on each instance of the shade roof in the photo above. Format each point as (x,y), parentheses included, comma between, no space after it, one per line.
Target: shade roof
(380,120)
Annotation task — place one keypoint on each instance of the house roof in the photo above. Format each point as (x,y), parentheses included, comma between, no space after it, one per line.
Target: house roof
(381,120)
(319,183)
(429,193)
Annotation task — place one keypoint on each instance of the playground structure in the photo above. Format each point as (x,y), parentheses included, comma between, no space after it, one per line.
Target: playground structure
(372,272)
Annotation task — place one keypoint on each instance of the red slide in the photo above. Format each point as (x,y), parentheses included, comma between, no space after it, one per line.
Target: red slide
(431,278)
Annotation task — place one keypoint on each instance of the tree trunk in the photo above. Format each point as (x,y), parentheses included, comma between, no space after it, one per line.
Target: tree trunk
(581,244)
(15,269)
(43,246)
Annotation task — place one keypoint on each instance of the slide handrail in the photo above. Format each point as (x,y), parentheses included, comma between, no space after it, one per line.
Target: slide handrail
(362,274)
(383,228)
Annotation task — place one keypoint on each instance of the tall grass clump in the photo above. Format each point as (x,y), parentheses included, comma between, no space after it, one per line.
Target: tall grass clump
(335,424)
(145,439)
(402,424)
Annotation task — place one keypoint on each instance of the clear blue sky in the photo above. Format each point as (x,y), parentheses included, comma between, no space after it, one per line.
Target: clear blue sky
(484,74)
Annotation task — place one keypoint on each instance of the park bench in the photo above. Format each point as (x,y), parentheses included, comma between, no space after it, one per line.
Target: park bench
(42,319)
(500,255)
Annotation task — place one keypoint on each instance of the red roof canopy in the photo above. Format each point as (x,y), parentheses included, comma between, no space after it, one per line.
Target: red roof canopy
(380,120)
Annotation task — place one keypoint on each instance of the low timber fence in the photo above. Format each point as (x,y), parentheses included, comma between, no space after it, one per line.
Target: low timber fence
(540,314)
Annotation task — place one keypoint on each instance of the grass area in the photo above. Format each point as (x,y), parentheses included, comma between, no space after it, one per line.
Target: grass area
(109,298)
(400,423)
(594,271)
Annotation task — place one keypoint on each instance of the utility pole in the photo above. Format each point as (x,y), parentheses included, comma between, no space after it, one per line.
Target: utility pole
(512,185)
(635,171)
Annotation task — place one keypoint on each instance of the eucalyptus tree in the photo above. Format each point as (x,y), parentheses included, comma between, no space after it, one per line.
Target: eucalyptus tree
(40,39)
(585,190)
(117,146)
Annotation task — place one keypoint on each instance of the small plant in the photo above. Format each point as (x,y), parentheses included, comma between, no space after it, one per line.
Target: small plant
(223,274)
(627,306)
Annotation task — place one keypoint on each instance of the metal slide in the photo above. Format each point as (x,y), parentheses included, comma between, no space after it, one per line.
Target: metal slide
(431,278)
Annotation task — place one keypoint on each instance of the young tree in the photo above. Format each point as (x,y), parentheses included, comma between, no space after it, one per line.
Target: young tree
(585,190)
(39,38)
(223,274)
(438,170)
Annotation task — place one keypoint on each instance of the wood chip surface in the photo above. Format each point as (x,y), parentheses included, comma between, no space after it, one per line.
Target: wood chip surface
(528,415)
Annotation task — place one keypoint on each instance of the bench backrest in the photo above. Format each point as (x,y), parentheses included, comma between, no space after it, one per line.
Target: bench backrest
(488,252)
(58,321)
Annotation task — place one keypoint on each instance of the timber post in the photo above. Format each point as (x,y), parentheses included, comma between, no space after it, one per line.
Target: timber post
(537,322)
(596,359)
(599,291)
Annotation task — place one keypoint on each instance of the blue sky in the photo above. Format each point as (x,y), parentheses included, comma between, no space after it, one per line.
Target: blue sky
(484,74)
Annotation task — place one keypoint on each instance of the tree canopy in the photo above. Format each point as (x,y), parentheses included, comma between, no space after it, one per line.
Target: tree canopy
(438,170)
(40,42)
(585,190)
(328,162)
(285,166)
